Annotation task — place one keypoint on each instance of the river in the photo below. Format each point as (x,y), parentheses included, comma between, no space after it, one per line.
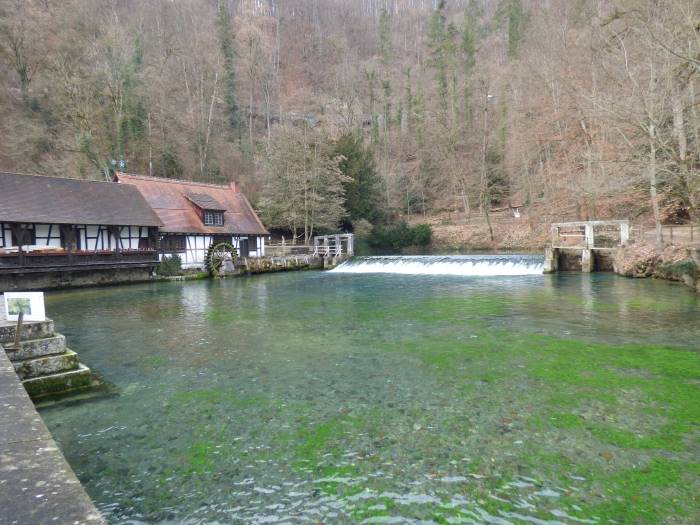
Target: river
(425,396)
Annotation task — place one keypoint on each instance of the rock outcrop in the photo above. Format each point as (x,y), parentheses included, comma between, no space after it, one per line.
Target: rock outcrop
(672,262)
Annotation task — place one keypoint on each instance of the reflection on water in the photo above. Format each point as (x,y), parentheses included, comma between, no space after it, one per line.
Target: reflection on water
(319,397)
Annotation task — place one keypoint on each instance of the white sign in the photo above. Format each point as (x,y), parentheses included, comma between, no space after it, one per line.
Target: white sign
(31,303)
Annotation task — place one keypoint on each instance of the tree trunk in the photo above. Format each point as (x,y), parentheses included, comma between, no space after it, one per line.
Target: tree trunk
(652,185)
(484,181)
(250,117)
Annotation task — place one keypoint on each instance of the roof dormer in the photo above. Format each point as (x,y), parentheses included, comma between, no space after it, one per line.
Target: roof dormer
(210,210)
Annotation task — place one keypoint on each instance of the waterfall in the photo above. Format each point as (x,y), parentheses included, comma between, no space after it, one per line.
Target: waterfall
(467,265)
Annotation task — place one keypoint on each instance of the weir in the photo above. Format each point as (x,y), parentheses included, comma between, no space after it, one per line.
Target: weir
(464,265)
(585,246)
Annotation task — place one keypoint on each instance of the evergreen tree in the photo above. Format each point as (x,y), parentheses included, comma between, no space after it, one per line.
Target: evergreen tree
(362,186)
(371,82)
(384,31)
(513,15)
(226,46)
(471,34)
(438,55)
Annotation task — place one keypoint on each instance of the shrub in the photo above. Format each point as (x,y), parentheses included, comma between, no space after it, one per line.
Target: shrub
(170,266)
(422,234)
(395,237)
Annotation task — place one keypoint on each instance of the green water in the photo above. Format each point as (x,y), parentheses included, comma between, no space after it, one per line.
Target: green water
(330,398)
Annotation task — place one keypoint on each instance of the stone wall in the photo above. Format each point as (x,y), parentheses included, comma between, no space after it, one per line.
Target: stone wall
(281,264)
(578,260)
(57,279)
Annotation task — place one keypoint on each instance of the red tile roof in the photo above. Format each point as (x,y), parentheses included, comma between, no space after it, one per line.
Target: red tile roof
(56,200)
(172,200)
(205,202)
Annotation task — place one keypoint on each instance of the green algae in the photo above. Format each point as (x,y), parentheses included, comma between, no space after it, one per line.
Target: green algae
(229,315)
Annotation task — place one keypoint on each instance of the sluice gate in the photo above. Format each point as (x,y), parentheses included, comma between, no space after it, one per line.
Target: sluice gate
(585,246)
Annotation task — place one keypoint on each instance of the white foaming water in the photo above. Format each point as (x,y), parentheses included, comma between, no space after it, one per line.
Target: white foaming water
(467,265)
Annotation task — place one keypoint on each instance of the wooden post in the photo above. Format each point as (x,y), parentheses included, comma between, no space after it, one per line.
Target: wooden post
(351,241)
(20,231)
(115,231)
(18,329)
(338,247)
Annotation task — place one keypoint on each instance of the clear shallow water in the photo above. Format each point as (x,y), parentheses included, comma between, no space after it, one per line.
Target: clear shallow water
(380,398)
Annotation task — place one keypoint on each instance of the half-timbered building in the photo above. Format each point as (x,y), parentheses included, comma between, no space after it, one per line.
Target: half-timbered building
(196,215)
(53,225)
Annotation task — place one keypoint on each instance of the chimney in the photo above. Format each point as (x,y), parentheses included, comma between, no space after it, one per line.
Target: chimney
(234,187)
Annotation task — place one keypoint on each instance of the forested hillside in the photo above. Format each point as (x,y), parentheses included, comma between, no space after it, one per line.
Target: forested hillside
(345,111)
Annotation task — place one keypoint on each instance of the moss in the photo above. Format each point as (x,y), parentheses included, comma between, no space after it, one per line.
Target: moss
(455,308)
(200,457)
(224,397)
(642,494)
(687,267)
(314,441)
(154,361)
(566,421)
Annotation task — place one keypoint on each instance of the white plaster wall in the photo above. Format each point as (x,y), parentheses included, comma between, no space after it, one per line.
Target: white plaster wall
(92,237)
(197,246)
(48,235)
(130,235)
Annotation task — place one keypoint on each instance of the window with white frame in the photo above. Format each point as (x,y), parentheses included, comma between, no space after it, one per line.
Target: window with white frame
(213,218)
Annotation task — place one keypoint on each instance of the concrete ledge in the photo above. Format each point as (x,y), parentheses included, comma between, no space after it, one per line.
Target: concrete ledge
(30,329)
(45,365)
(47,279)
(61,383)
(37,486)
(37,348)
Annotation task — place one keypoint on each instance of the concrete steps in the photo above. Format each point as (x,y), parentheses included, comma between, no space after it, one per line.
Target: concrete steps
(30,330)
(32,348)
(46,365)
(59,383)
(42,361)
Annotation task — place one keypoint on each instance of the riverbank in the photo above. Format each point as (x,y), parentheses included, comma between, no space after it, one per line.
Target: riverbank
(508,234)
(672,263)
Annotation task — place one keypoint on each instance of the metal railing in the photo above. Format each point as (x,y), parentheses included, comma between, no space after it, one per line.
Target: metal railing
(334,245)
(323,246)
(282,250)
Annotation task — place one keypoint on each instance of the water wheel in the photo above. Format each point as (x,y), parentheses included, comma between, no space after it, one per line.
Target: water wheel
(216,257)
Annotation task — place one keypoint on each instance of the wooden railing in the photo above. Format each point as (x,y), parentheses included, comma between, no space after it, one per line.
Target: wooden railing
(59,259)
(672,234)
